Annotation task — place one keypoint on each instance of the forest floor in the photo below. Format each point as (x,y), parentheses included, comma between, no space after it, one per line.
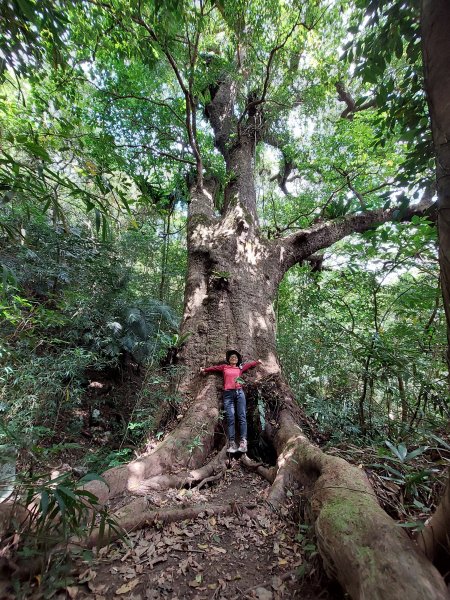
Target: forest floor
(251,553)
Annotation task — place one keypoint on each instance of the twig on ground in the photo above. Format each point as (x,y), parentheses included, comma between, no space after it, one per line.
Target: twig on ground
(209,479)
(283,577)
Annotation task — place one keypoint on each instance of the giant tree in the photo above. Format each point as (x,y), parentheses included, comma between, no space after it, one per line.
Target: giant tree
(240,75)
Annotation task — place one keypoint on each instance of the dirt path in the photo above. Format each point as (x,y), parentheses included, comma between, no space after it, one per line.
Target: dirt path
(252,553)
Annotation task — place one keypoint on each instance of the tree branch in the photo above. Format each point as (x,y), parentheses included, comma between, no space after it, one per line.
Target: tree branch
(351,187)
(352,107)
(114,96)
(253,104)
(140,148)
(298,246)
(190,104)
(282,176)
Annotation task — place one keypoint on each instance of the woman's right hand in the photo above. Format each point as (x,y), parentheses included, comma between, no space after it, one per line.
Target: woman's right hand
(201,371)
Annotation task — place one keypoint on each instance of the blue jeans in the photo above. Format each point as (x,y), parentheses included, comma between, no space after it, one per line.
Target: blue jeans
(230,398)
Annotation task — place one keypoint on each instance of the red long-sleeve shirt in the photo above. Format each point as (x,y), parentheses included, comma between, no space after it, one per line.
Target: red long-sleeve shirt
(230,374)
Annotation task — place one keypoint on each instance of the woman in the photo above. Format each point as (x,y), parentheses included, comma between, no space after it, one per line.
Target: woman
(234,394)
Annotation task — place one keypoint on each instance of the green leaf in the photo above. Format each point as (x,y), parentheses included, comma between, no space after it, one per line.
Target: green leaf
(29,9)
(416,453)
(60,500)
(38,150)
(393,449)
(402,451)
(409,524)
(44,502)
(395,472)
(440,441)
(67,492)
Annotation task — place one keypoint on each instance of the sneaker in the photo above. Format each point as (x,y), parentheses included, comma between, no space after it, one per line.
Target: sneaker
(243,446)
(232,448)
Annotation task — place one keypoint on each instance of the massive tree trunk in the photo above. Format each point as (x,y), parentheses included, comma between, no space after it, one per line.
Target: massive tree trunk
(435,25)
(233,276)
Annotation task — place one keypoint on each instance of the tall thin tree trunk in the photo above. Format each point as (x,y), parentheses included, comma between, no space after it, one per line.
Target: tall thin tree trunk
(435,27)
(164,257)
(403,401)
(362,398)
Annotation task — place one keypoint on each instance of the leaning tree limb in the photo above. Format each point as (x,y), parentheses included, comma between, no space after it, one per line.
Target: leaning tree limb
(297,246)
(352,106)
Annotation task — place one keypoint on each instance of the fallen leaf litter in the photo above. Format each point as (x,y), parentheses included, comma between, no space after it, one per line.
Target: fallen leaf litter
(248,554)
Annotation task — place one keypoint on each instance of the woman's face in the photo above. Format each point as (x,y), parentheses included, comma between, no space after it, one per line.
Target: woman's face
(233,360)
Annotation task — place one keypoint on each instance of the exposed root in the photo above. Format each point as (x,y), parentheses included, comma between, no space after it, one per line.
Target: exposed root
(267,473)
(434,540)
(249,463)
(185,479)
(265,584)
(287,474)
(137,515)
(174,453)
(210,479)
(361,546)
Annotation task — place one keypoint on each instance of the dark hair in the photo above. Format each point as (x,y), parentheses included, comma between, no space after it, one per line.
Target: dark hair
(236,353)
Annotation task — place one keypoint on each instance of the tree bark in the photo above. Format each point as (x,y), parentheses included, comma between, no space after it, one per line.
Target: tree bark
(434,540)
(403,399)
(435,25)
(233,276)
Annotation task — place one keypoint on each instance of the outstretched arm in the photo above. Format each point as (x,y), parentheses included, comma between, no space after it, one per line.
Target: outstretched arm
(204,370)
(250,365)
